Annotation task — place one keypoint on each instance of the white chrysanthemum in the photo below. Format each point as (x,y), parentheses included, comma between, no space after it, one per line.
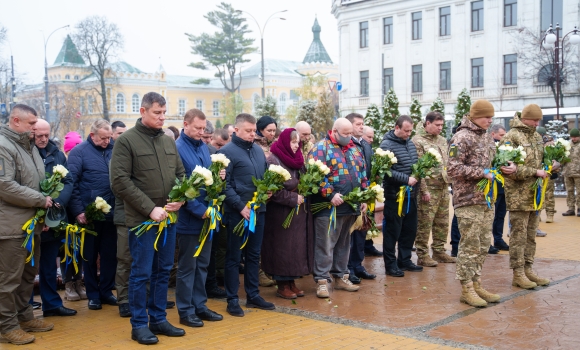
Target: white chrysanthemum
(281,171)
(60,170)
(205,173)
(220,158)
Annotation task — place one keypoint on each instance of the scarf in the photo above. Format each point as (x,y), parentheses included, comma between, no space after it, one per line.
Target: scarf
(283,151)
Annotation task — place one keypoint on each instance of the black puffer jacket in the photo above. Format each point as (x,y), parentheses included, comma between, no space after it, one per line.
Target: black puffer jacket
(406,154)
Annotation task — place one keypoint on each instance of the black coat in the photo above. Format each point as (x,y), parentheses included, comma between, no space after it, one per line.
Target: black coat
(367,152)
(406,154)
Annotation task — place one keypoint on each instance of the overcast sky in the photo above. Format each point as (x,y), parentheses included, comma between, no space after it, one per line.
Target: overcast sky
(154,30)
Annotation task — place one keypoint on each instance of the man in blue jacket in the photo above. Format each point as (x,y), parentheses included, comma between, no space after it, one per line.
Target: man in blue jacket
(89,168)
(192,272)
(50,240)
(247,160)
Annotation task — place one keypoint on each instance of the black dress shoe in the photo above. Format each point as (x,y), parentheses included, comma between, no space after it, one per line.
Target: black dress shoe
(144,336)
(209,315)
(365,275)
(216,293)
(502,246)
(234,308)
(191,321)
(95,304)
(59,311)
(167,329)
(492,250)
(411,267)
(373,252)
(170,304)
(453,253)
(124,310)
(109,300)
(352,277)
(395,272)
(259,303)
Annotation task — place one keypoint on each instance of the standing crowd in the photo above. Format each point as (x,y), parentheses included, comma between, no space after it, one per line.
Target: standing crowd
(134,170)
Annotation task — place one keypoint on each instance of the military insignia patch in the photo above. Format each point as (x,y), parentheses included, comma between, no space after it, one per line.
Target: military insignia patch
(453,151)
(2,173)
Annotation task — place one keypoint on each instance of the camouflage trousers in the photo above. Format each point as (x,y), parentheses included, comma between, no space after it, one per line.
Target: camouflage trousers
(433,217)
(475,223)
(572,184)
(523,238)
(549,203)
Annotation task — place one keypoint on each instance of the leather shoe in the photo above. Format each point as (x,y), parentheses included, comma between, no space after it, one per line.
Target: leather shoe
(365,275)
(373,252)
(234,308)
(170,304)
(411,267)
(209,315)
(259,303)
(395,272)
(216,293)
(191,321)
(144,336)
(492,250)
(502,246)
(95,304)
(124,310)
(59,311)
(109,300)
(165,328)
(354,279)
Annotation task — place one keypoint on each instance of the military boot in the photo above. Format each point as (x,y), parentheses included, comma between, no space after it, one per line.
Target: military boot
(484,294)
(535,278)
(520,279)
(264,280)
(570,212)
(17,337)
(470,297)
(442,257)
(426,260)
(549,218)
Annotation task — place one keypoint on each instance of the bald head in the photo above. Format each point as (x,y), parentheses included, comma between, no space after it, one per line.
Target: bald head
(368,134)
(41,133)
(342,131)
(304,131)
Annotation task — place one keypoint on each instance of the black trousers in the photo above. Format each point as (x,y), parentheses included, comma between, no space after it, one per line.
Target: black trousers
(357,251)
(499,218)
(399,230)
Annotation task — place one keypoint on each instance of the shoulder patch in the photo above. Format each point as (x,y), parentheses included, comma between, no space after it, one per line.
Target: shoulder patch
(2,172)
(453,151)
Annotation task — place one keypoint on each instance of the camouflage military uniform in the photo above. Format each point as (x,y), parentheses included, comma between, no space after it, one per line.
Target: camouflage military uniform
(433,216)
(306,147)
(571,175)
(549,202)
(519,193)
(470,153)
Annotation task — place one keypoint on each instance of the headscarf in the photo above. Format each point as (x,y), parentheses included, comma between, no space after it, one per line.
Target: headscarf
(263,122)
(71,140)
(283,151)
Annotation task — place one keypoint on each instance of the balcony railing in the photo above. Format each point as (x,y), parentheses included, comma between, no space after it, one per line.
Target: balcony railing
(419,97)
(477,93)
(363,101)
(510,90)
(445,95)
(542,89)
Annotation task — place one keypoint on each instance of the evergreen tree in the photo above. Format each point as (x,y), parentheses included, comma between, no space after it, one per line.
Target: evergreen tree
(557,129)
(439,106)
(390,113)
(373,119)
(323,114)
(218,124)
(267,106)
(463,105)
(307,112)
(415,114)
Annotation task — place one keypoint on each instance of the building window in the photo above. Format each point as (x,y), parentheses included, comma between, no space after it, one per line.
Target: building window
(388,30)
(364,34)
(135,103)
(551,13)
(181,107)
(417,78)
(477,72)
(387,80)
(82,105)
(510,69)
(90,104)
(76,77)
(282,103)
(510,13)
(216,108)
(417,18)
(199,104)
(477,16)
(445,21)
(120,103)
(445,76)
(67,77)
(364,83)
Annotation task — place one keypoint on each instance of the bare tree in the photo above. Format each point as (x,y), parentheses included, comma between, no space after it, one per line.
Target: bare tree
(98,41)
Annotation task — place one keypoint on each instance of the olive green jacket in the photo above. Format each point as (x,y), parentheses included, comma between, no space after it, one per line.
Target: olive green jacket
(144,167)
(423,141)
(21,170)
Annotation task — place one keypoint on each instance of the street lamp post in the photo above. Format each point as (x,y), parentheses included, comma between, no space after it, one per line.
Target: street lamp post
(551,40)
(262,44)
(46,103)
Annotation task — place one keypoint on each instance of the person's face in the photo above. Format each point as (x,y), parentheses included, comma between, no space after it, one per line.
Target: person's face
(194,128)
(102,137)
(483,123)
(435,127)
(345,130)
(531,122)
(269,131)
(498,135)
(295,144)
(231,130)
(153,117)
(404,131)
(358,126)
(206,138)
(246,131)
(117,132)
(218,142)
(305,135)
(369,136)
(41,135)
(575,139)
(24,122)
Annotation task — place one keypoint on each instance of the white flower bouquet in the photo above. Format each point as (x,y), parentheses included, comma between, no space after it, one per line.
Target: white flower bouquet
(382,161)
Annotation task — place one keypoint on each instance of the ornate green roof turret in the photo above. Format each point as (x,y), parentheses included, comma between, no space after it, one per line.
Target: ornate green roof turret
(68,54)
(316,52)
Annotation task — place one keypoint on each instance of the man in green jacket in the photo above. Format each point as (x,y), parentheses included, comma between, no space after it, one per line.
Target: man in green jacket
(21,170)
(144,167)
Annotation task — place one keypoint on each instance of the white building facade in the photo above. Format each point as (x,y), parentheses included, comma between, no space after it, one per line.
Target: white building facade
(426,49)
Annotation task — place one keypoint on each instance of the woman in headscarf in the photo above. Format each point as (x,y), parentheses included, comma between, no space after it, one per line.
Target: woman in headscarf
(265,133)
(288,254)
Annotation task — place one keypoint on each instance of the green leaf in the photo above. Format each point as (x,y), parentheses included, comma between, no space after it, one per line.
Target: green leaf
(60,187)
(293,302)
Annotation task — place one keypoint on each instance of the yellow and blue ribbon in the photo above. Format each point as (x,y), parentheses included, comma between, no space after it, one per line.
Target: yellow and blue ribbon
(162,227)
(404,190)
(211,224)
(332,219)
(28,243)
(540,191)
(490,190)
(74,243)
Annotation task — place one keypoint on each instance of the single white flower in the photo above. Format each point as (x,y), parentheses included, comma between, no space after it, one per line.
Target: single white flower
(205,173)
(106,209)
(220,158)
(311,161)
(524,154)
(567,153)
(60,169)
(394,160)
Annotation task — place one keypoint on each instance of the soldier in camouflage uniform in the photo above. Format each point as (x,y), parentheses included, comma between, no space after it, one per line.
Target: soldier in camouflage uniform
(520,196)
(470,154)
(549,202)
(572,175)
(433,208)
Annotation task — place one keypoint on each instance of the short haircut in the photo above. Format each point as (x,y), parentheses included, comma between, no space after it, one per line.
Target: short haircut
(351,117)
(433,116)
(227,126)
(118,124)
(100,124)
(23,108)
(150,98)
(209,129)
(174,130)
(245,117)
(495,128)
(402,119)
(193,113)
(221,134)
